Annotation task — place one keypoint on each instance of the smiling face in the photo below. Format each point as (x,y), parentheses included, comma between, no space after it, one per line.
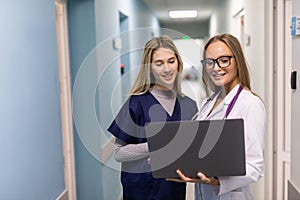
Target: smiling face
(226,76)
(164,68)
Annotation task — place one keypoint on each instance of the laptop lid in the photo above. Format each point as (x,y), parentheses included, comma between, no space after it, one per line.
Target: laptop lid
(214,147)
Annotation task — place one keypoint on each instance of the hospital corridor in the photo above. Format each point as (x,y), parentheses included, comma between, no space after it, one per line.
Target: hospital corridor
(67,67)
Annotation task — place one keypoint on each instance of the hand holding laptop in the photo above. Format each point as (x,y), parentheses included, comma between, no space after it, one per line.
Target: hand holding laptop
(202,179)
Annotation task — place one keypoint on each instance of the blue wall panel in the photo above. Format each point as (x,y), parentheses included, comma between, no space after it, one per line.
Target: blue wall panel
(31,150)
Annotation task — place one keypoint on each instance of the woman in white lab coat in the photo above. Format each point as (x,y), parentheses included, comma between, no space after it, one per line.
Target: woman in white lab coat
(225,73)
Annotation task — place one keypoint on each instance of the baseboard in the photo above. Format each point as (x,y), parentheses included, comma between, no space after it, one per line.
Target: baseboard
(63,196)
(293,192)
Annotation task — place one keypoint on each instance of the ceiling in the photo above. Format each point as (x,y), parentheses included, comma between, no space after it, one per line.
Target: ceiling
(160,8)
(194,27)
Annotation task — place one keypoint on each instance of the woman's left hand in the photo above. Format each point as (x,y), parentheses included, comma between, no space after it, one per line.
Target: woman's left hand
(202,179)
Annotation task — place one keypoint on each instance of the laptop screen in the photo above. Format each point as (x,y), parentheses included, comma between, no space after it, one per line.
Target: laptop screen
(213,147)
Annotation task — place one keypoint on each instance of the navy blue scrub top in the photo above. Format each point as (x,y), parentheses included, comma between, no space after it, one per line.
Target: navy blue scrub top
(136,177)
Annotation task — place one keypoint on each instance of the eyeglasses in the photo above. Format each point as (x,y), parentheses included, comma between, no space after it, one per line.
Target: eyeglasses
(222,61)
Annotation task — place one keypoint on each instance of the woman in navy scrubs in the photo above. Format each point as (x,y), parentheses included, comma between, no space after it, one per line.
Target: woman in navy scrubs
(155,96)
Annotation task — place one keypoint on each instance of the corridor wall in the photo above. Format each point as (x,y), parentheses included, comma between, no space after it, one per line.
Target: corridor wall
(32,165)
(94,29)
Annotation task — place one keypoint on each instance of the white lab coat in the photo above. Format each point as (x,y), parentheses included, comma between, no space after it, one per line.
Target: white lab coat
(252,110)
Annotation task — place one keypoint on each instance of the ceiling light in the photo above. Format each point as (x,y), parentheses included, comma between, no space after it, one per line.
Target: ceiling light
(183,13)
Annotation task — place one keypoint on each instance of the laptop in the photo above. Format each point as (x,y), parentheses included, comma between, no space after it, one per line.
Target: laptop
(213,147)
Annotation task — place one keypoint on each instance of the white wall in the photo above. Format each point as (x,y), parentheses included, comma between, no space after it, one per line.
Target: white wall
(191,53)
(223,20)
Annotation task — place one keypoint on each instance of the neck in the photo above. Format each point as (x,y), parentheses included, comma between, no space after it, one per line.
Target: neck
(162,87)
(225,90)
(230,86)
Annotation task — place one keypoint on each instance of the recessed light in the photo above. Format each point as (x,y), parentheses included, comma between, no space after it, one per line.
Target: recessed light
(183,13)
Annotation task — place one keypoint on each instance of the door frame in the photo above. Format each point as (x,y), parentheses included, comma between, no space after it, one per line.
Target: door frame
(65,99)
(282,97)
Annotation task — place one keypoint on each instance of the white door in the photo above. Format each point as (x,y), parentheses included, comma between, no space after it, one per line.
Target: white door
(282,97)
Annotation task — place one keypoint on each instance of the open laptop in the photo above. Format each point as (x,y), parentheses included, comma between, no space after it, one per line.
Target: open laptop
(214,147)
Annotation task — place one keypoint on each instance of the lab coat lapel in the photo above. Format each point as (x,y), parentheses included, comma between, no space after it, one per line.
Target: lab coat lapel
(206,107)
(220,110)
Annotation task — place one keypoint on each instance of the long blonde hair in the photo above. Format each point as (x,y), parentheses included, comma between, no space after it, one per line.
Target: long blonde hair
(145,79)
(241,64)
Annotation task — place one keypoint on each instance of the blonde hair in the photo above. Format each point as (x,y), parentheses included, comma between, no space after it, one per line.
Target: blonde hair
(241,64)
(145,80)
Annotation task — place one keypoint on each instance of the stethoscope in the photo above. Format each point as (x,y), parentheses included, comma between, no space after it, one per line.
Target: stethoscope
(204,107)
(228,110)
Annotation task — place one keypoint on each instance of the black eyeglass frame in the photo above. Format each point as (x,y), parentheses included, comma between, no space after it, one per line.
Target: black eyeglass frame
(216,61)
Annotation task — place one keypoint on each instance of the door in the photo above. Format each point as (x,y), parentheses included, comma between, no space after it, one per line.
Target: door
(294,182)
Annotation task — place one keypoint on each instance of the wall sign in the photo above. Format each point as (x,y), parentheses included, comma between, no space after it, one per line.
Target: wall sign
(295,26)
